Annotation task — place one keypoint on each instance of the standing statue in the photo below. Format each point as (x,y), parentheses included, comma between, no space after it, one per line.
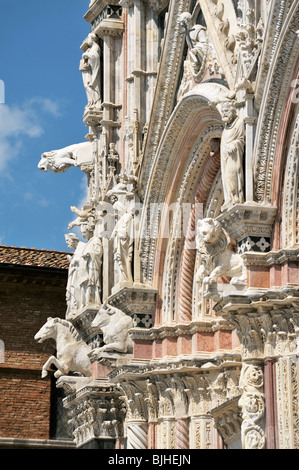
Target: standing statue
(89,274)
(232,152)
(90,67)
(84,275)
(196,38)
(123,233)
(72,242)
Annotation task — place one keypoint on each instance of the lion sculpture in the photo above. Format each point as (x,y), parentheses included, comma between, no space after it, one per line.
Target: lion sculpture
(216,257)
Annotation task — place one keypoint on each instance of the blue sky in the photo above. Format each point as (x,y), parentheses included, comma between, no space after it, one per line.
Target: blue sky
(44,104)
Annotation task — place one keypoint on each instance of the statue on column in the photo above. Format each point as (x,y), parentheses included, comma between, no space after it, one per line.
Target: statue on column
(72,242)
(90,266)
(90,65)
(232,153)
(196,38)
(84,275)
(123,233)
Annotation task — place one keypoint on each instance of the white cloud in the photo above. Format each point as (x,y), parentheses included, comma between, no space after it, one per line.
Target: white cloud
(46,105)
(19,122)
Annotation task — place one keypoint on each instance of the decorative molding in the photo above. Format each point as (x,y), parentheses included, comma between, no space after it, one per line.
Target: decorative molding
(254,221)
(270,113)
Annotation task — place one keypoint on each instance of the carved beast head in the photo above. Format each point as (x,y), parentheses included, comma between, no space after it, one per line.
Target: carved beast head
(208,232)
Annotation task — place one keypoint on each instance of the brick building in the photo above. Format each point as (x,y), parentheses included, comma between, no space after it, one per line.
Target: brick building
(32,288)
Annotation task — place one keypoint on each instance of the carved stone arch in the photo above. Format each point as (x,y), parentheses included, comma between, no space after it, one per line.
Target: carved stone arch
(180,255)
(275,108)
(193,123)
(273,13)
(290,202)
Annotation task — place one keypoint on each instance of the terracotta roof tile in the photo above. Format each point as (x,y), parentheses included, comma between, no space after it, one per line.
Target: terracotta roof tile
(33,257)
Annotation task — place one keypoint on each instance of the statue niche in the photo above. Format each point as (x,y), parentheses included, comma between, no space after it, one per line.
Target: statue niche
(123,233)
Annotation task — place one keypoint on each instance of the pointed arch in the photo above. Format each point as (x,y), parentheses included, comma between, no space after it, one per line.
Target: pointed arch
(178,164)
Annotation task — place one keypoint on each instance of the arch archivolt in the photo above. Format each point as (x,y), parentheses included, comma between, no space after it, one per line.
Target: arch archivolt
(180,219)
(272,108)
(290,215)
(187,126)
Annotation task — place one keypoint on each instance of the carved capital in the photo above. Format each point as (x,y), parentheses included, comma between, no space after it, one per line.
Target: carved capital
(96,412)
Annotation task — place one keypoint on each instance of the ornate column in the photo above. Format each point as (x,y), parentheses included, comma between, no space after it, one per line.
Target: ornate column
(137,416)
(252,403)
(166,416)
(287,375)
(267,325)
(182,433)
(152,408)
(137,434)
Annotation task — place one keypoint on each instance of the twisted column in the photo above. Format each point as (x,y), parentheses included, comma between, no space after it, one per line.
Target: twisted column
(137,434)
(182,433)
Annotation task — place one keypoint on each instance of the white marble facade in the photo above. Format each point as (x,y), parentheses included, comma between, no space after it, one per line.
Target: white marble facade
(185,105)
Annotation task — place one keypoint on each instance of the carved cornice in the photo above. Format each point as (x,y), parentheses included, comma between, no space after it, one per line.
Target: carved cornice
(109,27)
(177,329)
(273,257)
(171,395)
(257,302)
(156,5)
(96,7)
(184,366)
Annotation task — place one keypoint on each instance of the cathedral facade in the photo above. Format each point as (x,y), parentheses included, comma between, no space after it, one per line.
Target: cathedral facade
(182,322)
